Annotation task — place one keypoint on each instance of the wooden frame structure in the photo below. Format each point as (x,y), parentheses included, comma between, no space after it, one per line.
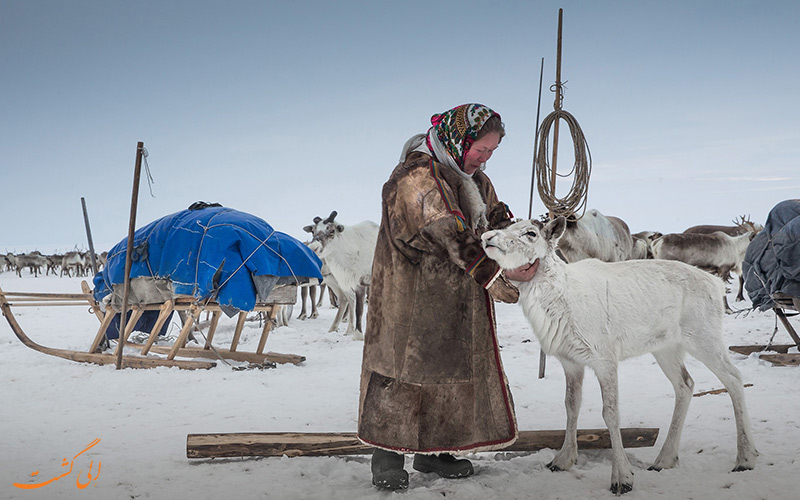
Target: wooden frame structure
(782,357)
(280,296)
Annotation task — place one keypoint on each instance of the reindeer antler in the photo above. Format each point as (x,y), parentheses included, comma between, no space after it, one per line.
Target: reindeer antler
(745,223)
(331,217)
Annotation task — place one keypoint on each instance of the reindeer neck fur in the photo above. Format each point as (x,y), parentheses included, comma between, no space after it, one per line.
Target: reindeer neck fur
(544,302)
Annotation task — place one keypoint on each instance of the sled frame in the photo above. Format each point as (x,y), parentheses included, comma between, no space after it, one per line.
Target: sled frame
(270,308)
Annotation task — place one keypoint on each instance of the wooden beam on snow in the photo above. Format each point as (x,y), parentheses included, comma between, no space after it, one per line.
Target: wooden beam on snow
(293,444)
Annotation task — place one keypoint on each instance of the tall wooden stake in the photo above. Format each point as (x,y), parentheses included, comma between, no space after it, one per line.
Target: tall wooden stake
(557,107)
(89,235)
(536,141)
(128,260)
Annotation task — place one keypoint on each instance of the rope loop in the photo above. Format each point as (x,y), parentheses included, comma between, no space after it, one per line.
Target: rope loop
(575,200)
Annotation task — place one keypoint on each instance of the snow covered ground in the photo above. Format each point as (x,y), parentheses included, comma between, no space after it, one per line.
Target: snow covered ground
(54,409)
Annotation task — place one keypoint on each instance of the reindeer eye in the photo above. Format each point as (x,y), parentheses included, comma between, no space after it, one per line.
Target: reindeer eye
(531,234)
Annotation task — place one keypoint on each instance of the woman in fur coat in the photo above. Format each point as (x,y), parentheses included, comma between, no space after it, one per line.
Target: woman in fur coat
(432,382)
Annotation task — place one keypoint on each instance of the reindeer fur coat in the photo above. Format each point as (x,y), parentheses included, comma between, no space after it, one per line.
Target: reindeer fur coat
(432,380)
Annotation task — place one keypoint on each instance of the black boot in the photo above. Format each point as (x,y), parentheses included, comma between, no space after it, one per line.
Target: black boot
(387,470)
(445,465)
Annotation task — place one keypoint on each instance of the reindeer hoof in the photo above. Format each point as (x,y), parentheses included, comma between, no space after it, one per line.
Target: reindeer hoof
(619,489)
(554,468)
(653,467)
(741,468)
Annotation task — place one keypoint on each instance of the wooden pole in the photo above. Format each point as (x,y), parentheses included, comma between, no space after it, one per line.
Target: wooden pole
(536,141)
(554,164)
(128,260)
(89,235)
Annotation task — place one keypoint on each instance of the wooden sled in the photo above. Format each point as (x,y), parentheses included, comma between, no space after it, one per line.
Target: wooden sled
(293,444)
(283,295)
(782,357)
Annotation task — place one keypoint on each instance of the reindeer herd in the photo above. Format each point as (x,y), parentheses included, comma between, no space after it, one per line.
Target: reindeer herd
(75,263)
(346,253)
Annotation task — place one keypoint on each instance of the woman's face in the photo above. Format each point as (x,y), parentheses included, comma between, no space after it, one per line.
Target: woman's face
(480,152)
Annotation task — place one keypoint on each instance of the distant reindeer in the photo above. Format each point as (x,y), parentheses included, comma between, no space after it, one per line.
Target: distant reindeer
(34,261)
(348,253)
(596,314)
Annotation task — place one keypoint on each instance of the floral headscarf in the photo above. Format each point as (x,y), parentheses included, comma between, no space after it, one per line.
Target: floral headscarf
(455,131)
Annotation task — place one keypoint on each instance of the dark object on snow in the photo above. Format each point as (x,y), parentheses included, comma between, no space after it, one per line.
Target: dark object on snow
(771,265)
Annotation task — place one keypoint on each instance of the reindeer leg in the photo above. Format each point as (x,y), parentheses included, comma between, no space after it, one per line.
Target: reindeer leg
(671,362)
(568,455)
(303,297)
(358,334)
(339,314)
(621,472)
(715,357)
(322,287)
(350,297)
(740,295)
(313,294)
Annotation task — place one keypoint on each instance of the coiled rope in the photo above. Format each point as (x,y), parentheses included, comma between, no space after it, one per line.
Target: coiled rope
(575,200)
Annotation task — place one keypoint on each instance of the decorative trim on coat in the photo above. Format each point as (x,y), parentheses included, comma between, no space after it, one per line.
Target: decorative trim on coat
(461,221)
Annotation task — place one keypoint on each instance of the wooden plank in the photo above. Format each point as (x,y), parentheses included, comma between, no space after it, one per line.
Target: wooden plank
(750,349)
(166,310)
(715,391)
(95,306)
(49,296)
(268,318)
(101,332)
(136,315)
(45,304)
(212,328)
(276,444)
(782,359)
(782,316)
(194,312)
(237,333)
(250,357)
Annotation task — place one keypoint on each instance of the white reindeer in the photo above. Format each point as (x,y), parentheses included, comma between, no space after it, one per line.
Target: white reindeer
(595,314)
(348,252)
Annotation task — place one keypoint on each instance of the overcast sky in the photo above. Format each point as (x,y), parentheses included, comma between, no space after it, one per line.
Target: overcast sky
(288,110)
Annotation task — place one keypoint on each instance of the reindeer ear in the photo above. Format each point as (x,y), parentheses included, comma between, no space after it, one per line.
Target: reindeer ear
(317,219)
(555,229)
(339,228)
(308,229)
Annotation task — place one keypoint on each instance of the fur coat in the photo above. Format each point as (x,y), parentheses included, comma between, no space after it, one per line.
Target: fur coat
(432,379)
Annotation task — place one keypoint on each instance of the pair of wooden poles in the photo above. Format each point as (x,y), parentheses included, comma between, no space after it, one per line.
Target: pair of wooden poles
(140,153)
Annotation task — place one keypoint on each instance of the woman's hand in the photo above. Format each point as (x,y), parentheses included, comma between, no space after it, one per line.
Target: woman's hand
(524,273)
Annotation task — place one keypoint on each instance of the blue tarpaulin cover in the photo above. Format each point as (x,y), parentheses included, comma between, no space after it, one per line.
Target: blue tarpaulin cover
(212,252)
(772,262)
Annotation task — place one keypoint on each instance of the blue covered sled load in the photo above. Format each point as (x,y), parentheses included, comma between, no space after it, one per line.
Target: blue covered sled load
(771,265)
(208,252)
